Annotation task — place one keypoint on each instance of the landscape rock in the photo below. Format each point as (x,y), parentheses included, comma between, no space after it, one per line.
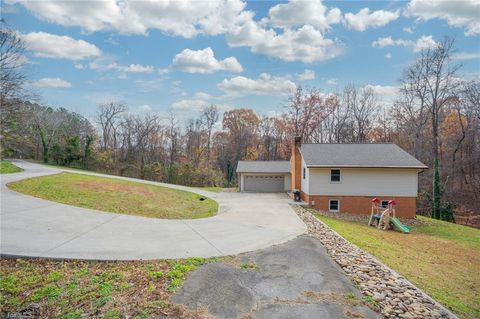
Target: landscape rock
(393,296)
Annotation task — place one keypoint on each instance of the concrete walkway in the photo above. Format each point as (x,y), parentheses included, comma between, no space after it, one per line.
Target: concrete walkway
(39,228)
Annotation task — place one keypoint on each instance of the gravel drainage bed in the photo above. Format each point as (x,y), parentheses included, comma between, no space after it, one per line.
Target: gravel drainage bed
(388,292)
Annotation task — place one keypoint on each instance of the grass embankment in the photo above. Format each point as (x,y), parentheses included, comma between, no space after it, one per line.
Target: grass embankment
(78,289)
(6,167)
(117,196)
(443,259)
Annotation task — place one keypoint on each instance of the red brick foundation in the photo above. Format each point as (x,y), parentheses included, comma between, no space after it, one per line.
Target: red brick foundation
(406,206)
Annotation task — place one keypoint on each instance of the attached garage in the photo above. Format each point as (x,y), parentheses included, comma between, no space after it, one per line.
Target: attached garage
(264,183)
(264,177)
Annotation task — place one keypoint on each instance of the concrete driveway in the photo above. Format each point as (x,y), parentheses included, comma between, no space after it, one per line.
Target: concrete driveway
(39,228)
(296,279)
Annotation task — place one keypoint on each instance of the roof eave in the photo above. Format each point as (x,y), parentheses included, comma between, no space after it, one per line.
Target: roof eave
(369,166)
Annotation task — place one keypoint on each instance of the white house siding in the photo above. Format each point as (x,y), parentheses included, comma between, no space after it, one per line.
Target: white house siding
(305,181)
(364,182)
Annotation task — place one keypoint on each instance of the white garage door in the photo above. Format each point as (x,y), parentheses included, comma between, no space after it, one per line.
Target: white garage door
(264,183)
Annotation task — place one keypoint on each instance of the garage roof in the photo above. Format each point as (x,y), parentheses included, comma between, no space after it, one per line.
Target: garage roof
(358,155)
(263,167)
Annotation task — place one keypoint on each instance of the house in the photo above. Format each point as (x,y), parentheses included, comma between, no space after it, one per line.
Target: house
(340,177)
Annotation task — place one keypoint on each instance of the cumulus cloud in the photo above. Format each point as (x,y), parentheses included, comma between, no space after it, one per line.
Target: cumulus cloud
(52,83)
(48,45)
(298,13)
(264,85)
(183,18)
(461,14)
(204,61)
(365,19)
(305,44)
(424,42)
(307,75)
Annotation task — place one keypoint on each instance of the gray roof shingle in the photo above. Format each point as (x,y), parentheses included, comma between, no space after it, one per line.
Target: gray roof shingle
(263,167)
(358,155)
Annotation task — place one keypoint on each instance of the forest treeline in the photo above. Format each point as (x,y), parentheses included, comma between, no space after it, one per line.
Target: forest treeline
(435,116)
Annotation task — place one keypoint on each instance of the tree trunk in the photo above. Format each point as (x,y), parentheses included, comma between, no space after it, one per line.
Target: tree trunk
(436,189)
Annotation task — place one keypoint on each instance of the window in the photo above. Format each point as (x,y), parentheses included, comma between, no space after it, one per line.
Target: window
(304,174)
(334,205)
(335,175)
(384,203)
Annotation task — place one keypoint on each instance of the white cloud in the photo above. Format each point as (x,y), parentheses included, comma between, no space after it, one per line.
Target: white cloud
(145,108)
(408,30)
(298,13)
(137,68)
(183,18)
(466,56)
(424,42)
(79,66)
(307,75)
(365,19)
(460,13)
(388,55)
(48,45)
(305,44)
(332,82)
(52,83)
(105,65)
(204,61)
(203,96)
(264,85)
(200,100)
(385,94)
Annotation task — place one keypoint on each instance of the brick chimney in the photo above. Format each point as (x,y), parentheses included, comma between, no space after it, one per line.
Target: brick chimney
(296,164)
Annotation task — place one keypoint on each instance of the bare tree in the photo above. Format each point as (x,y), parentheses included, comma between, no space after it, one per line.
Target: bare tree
(433,81)
(108,116)
(209,117)
(12,63)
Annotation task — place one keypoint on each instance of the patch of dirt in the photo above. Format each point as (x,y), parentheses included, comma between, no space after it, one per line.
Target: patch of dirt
(115,187)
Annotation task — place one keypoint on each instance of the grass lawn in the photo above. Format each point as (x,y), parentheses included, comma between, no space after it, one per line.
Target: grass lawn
(117,196)
(7,168)
(81,289)
(443,259)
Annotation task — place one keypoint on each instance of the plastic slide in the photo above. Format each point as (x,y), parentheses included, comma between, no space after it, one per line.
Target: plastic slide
(397,225)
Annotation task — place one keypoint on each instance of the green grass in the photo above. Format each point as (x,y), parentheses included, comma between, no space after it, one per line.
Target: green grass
(7,168)
(90,289)
(117,196)
(441,258)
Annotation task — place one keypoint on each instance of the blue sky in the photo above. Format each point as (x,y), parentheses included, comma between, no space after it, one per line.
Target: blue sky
(180,55)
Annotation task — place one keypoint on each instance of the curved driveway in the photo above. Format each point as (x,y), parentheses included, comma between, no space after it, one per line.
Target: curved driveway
(39,228)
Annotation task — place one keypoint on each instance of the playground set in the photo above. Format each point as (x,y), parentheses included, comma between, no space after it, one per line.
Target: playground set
(384,217)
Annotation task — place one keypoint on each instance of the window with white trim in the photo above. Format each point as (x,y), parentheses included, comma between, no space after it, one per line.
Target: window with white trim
(334,205)
(335,175)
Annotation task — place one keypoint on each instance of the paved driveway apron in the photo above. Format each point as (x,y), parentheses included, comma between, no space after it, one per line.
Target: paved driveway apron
(296,279)
(39,228)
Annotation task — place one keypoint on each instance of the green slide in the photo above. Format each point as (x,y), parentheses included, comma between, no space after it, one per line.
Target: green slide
(397,225)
